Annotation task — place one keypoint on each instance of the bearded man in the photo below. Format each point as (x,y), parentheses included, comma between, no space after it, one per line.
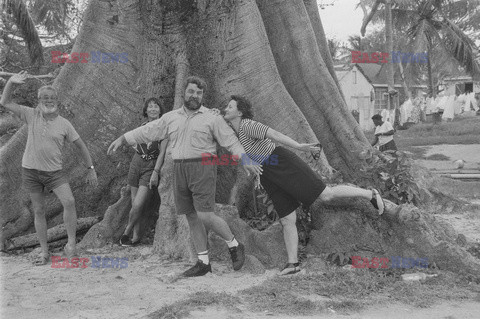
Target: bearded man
(193,132)
(42,167)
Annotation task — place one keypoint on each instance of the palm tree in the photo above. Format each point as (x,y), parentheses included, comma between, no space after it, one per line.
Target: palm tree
(430,22)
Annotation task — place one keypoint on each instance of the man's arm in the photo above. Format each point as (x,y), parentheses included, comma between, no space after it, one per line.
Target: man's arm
(375,140)
(6,100)
(154,131)
(92,175)
(158,164)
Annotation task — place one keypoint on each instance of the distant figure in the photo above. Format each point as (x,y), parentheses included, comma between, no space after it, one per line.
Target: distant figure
(383,134)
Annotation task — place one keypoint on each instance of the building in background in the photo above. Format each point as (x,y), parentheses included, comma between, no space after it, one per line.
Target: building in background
(358,92)
(459,85)
(365,88)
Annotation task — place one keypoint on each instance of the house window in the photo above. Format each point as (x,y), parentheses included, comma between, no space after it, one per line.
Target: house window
(380,100)
(354,77)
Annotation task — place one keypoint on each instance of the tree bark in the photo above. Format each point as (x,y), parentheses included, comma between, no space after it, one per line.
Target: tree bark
(310,84)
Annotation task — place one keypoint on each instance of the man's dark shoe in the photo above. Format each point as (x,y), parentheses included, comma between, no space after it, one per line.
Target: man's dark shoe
(125,241)
(238,256)
(200,269)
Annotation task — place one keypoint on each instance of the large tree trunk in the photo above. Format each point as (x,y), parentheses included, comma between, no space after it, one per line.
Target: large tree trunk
(271,51)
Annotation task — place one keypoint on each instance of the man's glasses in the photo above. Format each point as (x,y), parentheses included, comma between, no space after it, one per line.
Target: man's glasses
(316,155)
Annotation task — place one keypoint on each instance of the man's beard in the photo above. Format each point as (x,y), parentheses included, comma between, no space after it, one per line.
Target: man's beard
(48,110)
(192,104)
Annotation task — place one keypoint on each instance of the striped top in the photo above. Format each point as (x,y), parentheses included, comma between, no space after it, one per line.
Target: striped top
(253,137)
(148,151)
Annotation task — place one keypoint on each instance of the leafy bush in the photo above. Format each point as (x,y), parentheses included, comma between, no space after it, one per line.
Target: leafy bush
(390,174)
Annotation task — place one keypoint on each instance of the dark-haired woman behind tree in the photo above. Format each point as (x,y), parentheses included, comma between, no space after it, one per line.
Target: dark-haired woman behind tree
(143,174)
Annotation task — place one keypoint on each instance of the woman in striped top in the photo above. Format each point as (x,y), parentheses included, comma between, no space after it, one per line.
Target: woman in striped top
(287,179)
(143,174)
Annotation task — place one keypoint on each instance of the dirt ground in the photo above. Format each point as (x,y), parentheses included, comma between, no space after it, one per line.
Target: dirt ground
(149,283)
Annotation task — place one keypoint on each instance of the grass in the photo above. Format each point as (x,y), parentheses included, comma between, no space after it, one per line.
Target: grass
(195,301)
(352,290)
(437,157)
(459,131)
(336,289)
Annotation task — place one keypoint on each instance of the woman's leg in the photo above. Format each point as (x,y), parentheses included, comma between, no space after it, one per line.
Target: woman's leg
(290,236)
(345,191)
(138,201)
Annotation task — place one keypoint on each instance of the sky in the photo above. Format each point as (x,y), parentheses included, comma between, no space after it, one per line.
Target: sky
(341,19)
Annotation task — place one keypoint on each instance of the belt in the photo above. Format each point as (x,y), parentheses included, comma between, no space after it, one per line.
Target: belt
(187,160)
(148,157)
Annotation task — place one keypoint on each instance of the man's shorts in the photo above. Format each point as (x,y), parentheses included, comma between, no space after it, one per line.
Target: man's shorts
(390,146)
(194,186)
(140,171)
(35,181)
(291,182)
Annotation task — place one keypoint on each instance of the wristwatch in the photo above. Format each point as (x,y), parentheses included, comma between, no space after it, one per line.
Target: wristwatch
(91,167)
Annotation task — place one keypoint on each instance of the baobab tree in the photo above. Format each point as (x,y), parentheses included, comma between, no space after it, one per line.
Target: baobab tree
(272,51)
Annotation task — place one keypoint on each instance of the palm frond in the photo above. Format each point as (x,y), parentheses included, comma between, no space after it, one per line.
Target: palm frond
(462,48)
(24,22)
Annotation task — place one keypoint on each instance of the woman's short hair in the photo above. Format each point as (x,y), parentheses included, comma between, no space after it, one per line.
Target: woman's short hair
(377,117)
(153,99)
(244,106)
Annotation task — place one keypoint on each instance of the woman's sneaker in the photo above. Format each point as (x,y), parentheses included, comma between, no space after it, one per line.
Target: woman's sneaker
(377,201)
(290,269)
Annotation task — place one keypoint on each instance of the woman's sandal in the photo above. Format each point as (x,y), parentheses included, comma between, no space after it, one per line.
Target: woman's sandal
(377,201)
(42,260)
(290,269)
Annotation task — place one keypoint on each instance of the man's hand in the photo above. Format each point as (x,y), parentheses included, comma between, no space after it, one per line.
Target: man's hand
(92,178)
(19,78)
(153,180)
(115,144)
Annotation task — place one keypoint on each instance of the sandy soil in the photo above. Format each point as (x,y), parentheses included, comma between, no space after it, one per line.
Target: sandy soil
(146,285)
(469,153)
(149,283)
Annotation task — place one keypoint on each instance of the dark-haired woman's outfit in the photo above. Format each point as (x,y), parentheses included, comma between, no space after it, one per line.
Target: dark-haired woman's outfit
(287,179)
(143,163)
